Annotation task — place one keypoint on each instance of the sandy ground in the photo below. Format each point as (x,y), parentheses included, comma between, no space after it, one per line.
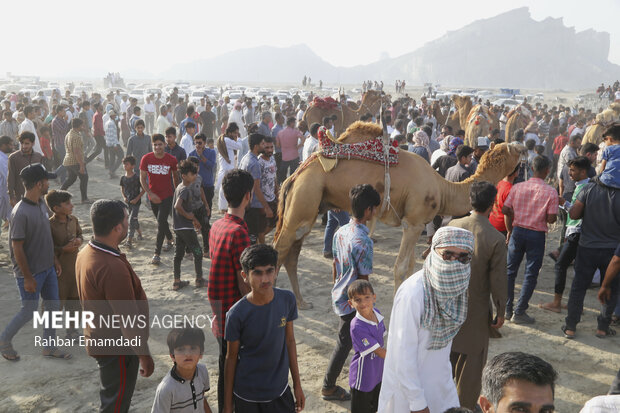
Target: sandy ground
(586,365)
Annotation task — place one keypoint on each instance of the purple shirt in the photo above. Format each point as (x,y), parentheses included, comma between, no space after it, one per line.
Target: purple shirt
(366,367)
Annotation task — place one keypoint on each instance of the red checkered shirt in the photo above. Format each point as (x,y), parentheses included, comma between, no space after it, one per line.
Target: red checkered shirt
(531,202)
(227,240)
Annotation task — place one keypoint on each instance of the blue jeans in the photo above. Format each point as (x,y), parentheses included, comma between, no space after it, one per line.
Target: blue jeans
(531,244)
(47,288)
(334,220)
(588,260)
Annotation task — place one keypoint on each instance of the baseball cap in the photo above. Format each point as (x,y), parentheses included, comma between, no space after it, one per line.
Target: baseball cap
(35,172)
(483,142)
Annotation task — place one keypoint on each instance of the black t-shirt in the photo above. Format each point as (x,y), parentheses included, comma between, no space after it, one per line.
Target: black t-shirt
(443,163)
(600,226)
(131,186)
(208,122)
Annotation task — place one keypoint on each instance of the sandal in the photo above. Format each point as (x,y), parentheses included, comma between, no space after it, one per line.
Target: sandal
(58,354)
(566,335)
(615,320)
(339,394)
(8,352)
(179,284)
(200,282)
(609,333)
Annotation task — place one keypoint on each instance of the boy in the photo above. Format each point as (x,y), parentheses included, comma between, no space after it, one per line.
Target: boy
(261,341)
(353,252)
(187,141)
(610,165)
(367,332)
(132,194)
(200,205)
(67,236)
(183,388)
(184,222)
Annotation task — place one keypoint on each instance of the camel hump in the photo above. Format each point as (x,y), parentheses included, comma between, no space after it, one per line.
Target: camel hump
(360,132)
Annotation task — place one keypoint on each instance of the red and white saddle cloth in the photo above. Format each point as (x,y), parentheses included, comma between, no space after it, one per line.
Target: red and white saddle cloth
(371,150)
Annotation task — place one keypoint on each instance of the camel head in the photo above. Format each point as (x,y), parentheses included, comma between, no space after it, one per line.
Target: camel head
(500,162)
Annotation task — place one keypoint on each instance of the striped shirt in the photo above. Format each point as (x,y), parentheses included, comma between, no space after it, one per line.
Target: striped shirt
(111,135)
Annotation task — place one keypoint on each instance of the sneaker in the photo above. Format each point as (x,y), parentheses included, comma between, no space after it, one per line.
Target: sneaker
(155,260)
(328,254)
(167,246)
(523,319)
(140,237)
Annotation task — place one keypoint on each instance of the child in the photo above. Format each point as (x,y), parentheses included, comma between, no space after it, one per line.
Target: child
(261,341)
(367,332)
(132,194)
(200,206)
(184,222)
(610,165)
(67,236)
(183,388)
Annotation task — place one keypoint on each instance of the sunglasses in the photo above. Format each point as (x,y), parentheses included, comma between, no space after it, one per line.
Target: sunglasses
(463,257)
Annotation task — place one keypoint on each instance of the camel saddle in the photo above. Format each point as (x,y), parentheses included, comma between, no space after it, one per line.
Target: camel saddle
(326,103)
(372,150)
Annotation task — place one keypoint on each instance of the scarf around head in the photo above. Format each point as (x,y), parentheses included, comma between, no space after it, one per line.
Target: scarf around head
(420,138)
(454,143)
(445,287)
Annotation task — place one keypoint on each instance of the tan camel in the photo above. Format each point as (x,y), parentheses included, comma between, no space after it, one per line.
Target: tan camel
(518,118)
(417,194)
(594,134)
(371,102)
(435,109)
(478,124)
(458,119)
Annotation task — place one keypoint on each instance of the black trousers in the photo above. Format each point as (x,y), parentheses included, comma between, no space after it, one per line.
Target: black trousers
(567,255)
(223,345)
(365,401)
(161,212)
(205,227)
(99,146)
(341,352)
(187,239)
(118,376)
(283,404)
(74,173)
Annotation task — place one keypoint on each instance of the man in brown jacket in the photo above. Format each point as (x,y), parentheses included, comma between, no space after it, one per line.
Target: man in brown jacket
(488,278)
(108,286)
(19,160)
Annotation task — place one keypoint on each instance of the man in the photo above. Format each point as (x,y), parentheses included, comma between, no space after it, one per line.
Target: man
(6,147)
(206,165)
(180,111)
(86,117)
(99,135)
(263,126)
(188,132)
(124,104)
(311,143)
(461,171)
(577,128)
(207,118)
(227,240)
(269,184)
(158,174)
(188,119)
(74,160)
(569,152)
(162,121)
(399,129)
(517,382)
(28,126)
(171,145)
(139,144)
(429,308)
(288,142)
(60,128)
(149,115)
(447,161)
(35,266)
(598,206)
(19,160)
(8,127)
(482,145)
(107,286)
(488,279)
(503,189)
(113,144)
(259,208)
(134,118)
(353,256)
(530,206)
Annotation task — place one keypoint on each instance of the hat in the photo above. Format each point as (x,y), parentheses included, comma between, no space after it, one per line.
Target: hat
(111,112)
(35,172)
(483,142)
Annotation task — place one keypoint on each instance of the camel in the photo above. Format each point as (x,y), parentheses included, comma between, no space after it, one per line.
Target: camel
(417,194)
(518,118)
(371,102)
(435,109)
(478,124)
(458,119)
(594,134)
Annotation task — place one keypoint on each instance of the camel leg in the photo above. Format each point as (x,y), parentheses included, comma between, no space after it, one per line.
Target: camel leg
(290,263)
(405,261)
(371,227)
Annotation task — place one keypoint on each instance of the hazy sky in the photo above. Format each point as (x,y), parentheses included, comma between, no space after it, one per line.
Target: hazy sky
(69,37)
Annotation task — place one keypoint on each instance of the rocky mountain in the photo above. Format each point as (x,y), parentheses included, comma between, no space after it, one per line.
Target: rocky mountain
(508,50)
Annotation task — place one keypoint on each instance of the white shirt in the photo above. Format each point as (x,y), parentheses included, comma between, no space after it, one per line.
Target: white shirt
(161,125)
(124,105)
(617,95)
(310,146)
(187,143)
(414,377)
(602,404)
(436,155)
(231,146)
(576,131)
(28,126)
(529,136)
(149,108)
(5,205)
(300,115)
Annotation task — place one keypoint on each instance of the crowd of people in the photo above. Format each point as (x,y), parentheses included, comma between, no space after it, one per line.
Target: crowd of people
(432,357)
(611,92)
